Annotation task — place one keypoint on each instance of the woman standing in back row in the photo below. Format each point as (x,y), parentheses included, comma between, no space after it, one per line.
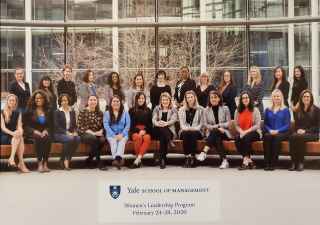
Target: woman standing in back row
(228,91)
(255,88)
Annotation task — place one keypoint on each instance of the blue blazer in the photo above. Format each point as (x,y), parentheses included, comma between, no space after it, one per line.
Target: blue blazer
(121,127)
(60,123)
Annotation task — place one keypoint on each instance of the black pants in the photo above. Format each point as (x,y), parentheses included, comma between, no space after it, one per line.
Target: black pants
(42,147)
(272,146)
(96,143)
(70,145)
(244,144)
(215,139)
(297,144)
(164,135)
(190,141)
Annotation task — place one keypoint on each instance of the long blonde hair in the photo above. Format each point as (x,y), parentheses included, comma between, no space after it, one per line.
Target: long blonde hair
(185,103)
(7,112)
(259,77)
(274,92)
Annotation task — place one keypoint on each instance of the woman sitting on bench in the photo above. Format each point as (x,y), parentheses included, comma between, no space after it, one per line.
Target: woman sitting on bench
(307,128)
(164,117)
(216,122)
(38,126)
(141,125)
(276,128)
(90,129)
(247,122)
(116,122)
(191,122)
(66,130)
(12,133)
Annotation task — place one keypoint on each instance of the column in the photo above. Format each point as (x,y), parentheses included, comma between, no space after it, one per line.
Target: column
(115,37)
(28,43)
(315,52)
(203,38)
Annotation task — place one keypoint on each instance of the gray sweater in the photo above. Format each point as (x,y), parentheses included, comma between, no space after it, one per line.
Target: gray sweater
(197,123)
(224,119)
(172,118)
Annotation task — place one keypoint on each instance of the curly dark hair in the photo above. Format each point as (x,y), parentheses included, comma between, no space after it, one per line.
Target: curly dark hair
(64,95)
(241,106)
(110,83)
(32,103)
(303,74)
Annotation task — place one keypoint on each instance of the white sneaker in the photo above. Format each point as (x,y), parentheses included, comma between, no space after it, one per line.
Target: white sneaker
(224,164)
(202,156)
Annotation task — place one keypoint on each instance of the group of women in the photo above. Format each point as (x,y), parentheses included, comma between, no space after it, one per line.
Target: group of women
(192,113)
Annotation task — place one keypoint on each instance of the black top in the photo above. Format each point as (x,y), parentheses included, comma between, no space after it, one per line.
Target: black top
(140,117)
(155,93)
(190,113)
(297,88)
(228,95)
(61,123)
(186,86)
(67,87)
(13,122)
(23,95)
(309,121)
(52,99)
(284,88)
(203,95)
(215,110)
(31,122)
(164,116)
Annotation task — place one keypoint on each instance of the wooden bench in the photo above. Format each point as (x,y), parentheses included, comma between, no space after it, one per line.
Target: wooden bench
(313,149)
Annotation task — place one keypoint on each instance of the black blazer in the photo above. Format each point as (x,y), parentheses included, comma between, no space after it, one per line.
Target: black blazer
(309,121)
(203,96)
(23,95)
(284,88)
(228,95)
(60,122)
(30,123)
(187,86)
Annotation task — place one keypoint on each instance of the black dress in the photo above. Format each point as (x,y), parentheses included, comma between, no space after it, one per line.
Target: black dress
(228,95)
(203,96)
(11,125)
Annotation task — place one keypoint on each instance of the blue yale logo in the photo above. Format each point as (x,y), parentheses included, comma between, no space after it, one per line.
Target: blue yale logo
(114,191)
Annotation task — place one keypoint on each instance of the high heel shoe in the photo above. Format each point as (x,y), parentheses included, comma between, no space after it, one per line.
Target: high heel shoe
(162,164)
(252,165)
(243,167)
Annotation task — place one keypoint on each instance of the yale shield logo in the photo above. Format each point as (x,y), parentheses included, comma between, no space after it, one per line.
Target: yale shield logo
(115,191)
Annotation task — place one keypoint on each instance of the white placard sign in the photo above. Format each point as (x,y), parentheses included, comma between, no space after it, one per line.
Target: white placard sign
(158,201)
